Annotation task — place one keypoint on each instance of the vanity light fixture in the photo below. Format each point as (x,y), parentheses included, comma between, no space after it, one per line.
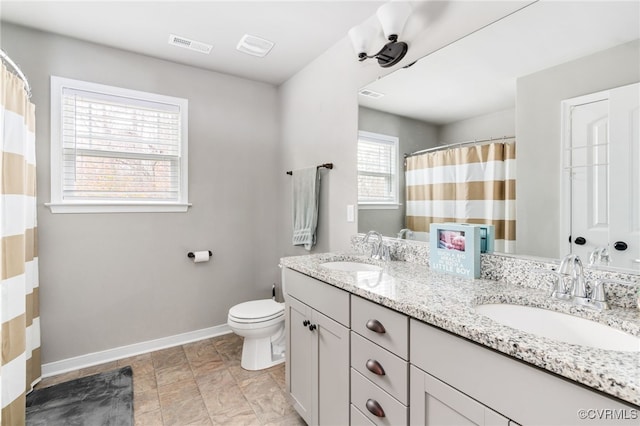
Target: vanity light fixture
(392,17)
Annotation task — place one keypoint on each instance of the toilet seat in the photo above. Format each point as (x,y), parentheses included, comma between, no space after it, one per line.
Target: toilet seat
(256,311)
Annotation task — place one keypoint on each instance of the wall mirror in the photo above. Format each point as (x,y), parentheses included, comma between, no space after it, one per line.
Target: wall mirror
(510,81)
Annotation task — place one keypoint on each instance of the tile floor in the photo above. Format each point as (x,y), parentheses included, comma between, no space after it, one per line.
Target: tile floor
(201,383)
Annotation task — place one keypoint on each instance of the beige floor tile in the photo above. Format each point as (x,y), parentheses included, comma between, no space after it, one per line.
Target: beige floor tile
(138,365)
(278,374)
(182,404)
(214,380)
(239,419)
(230,345)
(134,359)
(203,367)
(202,349)
(229,401)
(293,420)
(169,375)
(150,418)
(201,383)
(144,381)
(240,374)
(146,401)
(266,398)
(170,357)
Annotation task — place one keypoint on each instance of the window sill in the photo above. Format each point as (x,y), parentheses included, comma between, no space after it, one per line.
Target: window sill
(378,206)
(118,207)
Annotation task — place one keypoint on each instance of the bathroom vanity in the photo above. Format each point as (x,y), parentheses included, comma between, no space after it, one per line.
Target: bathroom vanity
(404,345)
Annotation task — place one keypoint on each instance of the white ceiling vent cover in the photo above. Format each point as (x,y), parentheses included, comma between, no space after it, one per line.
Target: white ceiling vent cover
(186,43)
(255,46)
(370,94)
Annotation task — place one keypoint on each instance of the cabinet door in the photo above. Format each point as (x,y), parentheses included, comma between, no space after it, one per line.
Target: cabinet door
(332,371)
(435,403)
(299,367)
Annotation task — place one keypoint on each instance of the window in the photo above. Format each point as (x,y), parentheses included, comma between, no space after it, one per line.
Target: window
(377,170)
(116,150)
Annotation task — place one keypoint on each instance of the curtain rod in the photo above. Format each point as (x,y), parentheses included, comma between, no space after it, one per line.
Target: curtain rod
(458,144)
(325,165)
(17,70)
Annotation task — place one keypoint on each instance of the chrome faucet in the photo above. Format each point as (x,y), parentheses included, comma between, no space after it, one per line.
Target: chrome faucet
(405,233)
(379,251)
(571,285)
(568,274)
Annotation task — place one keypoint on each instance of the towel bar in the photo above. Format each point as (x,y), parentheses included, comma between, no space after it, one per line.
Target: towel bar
(325,165)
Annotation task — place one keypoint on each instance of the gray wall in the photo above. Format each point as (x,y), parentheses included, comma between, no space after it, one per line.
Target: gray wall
(538,125)
(486,126)
(413,135)
(109,280)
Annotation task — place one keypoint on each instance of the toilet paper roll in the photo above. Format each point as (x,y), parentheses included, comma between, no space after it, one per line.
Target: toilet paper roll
(200,256)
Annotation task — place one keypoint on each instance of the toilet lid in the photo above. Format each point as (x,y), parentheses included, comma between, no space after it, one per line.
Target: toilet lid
(257,310)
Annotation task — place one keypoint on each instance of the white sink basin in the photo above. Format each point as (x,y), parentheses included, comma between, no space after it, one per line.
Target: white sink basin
(559,326)
(350,266)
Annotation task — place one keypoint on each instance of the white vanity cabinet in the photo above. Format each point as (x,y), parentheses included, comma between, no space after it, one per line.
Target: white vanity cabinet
(317,364)
(435,403)
(379,364)
(451,376)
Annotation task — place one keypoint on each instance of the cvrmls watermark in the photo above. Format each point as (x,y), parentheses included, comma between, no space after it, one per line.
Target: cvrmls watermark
(608,414)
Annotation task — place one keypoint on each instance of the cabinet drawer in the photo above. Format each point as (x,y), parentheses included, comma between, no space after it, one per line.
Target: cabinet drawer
(359,419)
(322,297)
(363,392)
(395,338)
(396,370)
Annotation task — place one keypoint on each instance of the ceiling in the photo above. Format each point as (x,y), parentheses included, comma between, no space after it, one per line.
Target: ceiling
(477,75)
(301,30)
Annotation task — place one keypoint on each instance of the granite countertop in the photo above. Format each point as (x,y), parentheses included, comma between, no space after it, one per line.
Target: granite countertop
(447,302)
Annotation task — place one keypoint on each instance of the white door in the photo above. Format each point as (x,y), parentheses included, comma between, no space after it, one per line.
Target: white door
(589,170)
(624,134)
(603,161)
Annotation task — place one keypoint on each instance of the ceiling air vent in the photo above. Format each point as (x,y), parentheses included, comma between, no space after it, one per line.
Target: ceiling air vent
(255,46)
(186,43)
(370,94)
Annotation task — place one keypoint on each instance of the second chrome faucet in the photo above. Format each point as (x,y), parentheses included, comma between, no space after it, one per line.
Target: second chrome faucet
(570,284)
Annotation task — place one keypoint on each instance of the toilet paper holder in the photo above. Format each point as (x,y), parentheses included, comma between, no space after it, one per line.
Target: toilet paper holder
(190,255)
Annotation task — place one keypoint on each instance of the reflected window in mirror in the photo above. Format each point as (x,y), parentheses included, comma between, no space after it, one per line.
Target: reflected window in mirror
(377,170)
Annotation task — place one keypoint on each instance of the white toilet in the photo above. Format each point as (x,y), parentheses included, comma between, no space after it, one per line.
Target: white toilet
(261,323)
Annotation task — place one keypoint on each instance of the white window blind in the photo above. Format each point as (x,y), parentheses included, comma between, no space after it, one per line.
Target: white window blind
(120,147)
(377,169)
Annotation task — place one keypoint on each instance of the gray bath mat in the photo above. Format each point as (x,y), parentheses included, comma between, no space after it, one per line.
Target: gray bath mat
(101,399)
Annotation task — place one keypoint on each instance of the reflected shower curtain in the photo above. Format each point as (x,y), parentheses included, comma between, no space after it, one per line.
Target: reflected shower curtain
(19,311)
(474,184)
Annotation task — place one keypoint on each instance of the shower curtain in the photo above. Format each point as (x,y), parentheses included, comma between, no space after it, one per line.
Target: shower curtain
(474,184)
(19,311)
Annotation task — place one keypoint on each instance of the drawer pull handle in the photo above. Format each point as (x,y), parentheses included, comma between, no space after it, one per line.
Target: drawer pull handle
(306,323)
(375,367)
(375,325)
(374,408)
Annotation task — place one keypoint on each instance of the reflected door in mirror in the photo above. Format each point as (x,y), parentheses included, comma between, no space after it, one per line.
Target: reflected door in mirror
(605,201)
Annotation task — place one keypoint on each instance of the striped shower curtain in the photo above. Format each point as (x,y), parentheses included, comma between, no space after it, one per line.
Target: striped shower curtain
(19,312)
(474,184)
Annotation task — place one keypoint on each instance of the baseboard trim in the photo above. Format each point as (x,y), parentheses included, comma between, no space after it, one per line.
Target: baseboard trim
(96,358)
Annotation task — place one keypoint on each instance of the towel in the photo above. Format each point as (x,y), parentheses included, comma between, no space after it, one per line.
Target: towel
(306,189)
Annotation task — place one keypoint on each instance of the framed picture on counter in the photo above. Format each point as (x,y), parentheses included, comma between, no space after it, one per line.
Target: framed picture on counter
(455,249)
